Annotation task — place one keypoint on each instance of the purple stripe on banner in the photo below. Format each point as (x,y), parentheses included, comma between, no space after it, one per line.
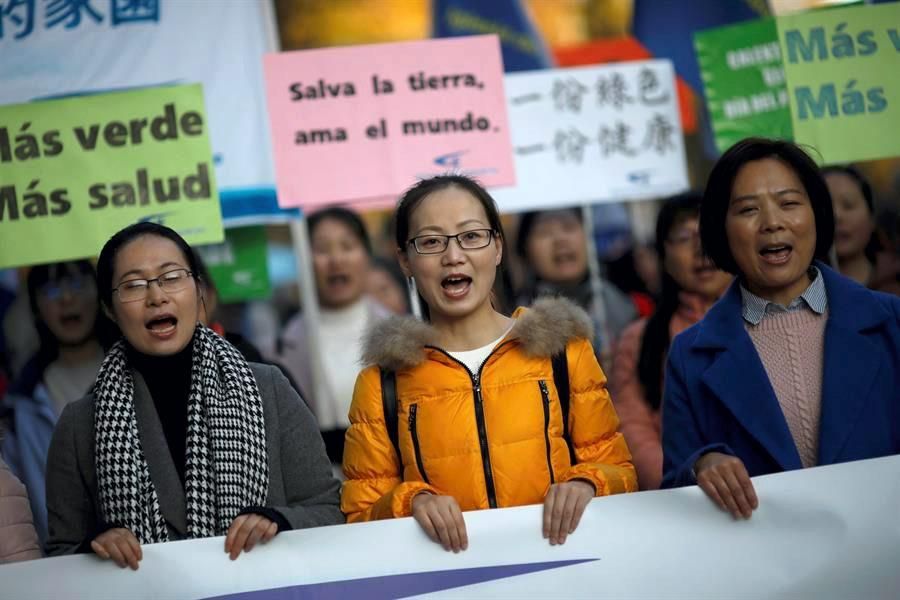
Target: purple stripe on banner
(399,586)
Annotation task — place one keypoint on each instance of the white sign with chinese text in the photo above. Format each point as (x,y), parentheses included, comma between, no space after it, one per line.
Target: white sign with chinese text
(594,134)
(53,48)
(826,532)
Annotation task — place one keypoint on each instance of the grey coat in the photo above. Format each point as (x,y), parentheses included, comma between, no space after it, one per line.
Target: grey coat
(301,484)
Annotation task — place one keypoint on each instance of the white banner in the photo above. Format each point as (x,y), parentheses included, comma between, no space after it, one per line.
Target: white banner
(54,48)
(829,532)
(594,134)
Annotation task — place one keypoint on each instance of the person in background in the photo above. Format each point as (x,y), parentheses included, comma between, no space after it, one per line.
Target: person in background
(854,213)
(635,273)
(18,539)
(73,334)
(554,246)
(180,437)
(387,285)
(479,419)
(886,274)
(341,254)
(796,365)
(690,285)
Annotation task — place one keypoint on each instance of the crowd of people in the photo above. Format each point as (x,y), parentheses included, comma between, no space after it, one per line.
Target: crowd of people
(764,346)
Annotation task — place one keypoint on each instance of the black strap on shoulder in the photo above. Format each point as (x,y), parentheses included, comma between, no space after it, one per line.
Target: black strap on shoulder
(389,404)
(561,380)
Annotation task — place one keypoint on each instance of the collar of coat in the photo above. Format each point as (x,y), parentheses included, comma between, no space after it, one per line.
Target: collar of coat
(398,343)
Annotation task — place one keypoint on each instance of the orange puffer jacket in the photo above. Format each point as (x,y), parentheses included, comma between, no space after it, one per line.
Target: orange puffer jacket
(489,439)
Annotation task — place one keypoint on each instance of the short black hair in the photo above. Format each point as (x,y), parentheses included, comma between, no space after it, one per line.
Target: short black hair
(107,262)
(342,215)
(717,196)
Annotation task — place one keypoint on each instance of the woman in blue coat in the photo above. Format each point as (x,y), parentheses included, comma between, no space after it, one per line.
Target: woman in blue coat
(796,366)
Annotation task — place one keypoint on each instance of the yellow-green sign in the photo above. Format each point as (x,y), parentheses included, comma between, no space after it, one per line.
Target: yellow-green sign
(75,171)
(843,76)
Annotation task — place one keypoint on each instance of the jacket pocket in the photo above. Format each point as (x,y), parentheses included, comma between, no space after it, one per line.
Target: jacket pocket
(545,398)
(413,431)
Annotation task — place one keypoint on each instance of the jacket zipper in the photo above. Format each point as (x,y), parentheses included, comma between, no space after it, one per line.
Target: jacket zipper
(479,420)
(545,395)
(413,409)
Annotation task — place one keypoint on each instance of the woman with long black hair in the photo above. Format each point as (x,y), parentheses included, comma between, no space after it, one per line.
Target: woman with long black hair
(690,285)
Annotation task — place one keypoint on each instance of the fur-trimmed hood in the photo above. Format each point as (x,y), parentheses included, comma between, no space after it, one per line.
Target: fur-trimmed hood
(399,343)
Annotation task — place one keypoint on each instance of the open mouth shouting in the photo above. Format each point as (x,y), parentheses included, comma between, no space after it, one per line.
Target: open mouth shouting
(162,326)
(456,285)
(776,254)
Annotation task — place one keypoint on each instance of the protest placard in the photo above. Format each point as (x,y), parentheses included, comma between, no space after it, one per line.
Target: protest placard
(594,134)
(826,532)
(238,265)
(743,81)
(841,67)
(75,171)
(368,121)
(59,48)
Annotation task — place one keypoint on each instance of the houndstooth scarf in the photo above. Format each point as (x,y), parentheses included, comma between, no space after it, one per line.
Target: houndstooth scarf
(226,459)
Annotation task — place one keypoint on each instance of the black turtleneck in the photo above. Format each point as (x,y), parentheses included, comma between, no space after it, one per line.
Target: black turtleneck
(169,380)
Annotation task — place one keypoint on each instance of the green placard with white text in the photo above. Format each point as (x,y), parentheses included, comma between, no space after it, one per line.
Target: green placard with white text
(75,171)
(843,75)
(238,266)
(743,81)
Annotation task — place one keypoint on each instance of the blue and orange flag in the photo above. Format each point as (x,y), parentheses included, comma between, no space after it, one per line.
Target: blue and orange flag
(520,42)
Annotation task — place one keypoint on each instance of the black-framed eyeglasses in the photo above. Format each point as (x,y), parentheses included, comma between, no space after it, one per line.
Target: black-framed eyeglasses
(434,243)
(134,290)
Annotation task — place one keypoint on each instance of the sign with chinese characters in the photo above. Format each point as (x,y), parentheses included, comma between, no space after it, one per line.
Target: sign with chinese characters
(842,70)
(360,122)
(75,171)
(61,48)
(743,80)
(238,265)
(21,19)
(594,134)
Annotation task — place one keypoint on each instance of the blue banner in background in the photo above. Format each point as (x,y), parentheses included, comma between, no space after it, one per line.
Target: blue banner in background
(253,206)
(521,43)
(61,48)
(667,27)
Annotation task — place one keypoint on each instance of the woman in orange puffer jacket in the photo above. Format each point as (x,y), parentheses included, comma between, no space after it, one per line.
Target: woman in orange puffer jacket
(481,417)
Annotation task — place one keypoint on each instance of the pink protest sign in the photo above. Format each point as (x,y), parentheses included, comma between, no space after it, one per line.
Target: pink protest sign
(364,122)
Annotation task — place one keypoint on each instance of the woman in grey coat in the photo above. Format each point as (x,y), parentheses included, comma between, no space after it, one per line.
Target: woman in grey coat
(180,437)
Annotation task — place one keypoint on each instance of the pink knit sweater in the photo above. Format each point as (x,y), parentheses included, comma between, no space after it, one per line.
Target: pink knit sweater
(791,346)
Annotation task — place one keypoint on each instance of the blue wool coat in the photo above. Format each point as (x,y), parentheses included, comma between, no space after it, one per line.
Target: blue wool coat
(718,397)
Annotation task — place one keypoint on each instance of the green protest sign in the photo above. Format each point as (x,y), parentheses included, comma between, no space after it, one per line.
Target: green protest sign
(75,171)
(842,69)
(238,266)
(743,80)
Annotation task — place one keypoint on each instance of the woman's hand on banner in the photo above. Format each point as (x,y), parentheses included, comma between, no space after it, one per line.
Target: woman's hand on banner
(120,546)
(246,531)
(563,506)
(442,520)
(725,480)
